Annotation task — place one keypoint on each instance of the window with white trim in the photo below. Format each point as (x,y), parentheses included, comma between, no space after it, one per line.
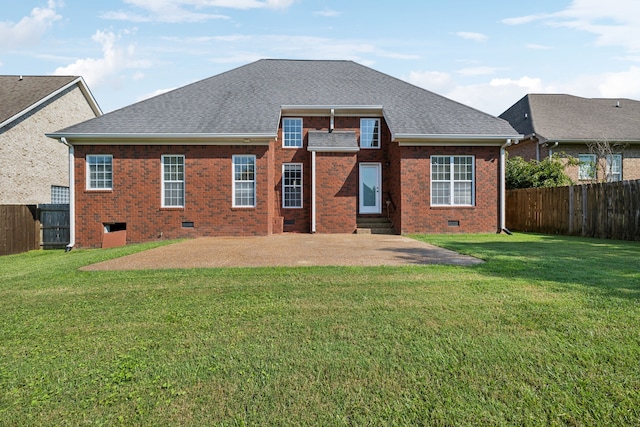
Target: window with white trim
(291,132)
(614,167)
(59,194)
(172,181)
(452,180)
(99,172)
(292,185)
(244,181)
(370,133)
(587,167)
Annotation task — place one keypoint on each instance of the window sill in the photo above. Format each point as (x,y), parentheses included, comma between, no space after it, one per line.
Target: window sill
(440,207)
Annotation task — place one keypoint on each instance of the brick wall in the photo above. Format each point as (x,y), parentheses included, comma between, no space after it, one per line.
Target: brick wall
(630,161)
(31,162)
(136,195)
(299,220)
(336,192)
(418,216)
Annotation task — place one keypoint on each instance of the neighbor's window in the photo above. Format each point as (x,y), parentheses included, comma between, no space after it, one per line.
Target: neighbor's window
(244,181)
(292,185)
(59,194)
(370,133)
(173,181)
(452,180)
(614,167)
(99,172)
(587,167)
(292,132)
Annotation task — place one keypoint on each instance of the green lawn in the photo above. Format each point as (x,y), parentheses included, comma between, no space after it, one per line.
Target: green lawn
(547,331)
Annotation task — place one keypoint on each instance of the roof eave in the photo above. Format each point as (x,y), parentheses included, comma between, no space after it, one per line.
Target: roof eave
(452,139)
(334,149)
(592,140)
(77,81)
(325,110)
(165,138)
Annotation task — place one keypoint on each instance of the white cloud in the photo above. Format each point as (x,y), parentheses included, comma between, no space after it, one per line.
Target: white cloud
(114,60)
(29,29)
(521,20)
(434,81)
(174,11)
(154,93)
(478,37)
(327,13)
(614,22)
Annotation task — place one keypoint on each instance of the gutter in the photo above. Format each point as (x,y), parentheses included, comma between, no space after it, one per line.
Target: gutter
(167,138)
(72,196)
(503,148)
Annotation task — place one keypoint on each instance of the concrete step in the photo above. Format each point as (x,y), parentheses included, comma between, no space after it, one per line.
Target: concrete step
(374,225)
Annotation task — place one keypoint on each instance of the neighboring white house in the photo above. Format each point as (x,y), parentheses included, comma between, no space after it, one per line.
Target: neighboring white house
(34,169)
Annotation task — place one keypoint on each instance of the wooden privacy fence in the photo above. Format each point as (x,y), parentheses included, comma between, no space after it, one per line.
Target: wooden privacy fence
(607,210)
(27,227)
(19,229)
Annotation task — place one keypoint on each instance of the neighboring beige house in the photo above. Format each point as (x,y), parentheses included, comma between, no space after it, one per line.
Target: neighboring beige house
(34,169)
(568,125)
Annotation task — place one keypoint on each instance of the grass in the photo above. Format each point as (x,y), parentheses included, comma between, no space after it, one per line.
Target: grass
(545,332)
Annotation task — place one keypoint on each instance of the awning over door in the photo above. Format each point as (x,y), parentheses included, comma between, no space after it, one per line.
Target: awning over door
(335,142)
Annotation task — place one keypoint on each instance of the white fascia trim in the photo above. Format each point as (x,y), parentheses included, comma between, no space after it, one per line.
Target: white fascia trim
(81,84)
(89,96)
(334,149)
(589,140)
(455,140)
(165,138)
(375,110)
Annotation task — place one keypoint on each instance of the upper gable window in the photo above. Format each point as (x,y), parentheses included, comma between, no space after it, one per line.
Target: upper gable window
(99,172)
(292,132)
(370,133)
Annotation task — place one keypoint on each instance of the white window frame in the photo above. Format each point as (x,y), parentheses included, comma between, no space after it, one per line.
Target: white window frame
(295,186)
(235,160)
(587,167)
(296,136)
(614,161)
(91,182)
(364,124)
(177,179)
(452,181)
(59,194)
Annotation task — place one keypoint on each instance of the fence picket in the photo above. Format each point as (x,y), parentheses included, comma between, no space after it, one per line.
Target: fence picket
(606,210)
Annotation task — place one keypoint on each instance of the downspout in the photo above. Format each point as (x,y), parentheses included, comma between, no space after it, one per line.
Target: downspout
(503,226)
(551,149)
(72,196)
(313,192)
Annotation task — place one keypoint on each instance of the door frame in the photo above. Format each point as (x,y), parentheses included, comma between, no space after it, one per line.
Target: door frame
(377,209)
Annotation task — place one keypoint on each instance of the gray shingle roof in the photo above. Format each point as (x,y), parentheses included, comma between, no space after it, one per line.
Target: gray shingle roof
(17,95)
(247,100)
(557,117)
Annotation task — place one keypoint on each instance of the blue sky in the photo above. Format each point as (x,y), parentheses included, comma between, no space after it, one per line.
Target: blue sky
(484,54)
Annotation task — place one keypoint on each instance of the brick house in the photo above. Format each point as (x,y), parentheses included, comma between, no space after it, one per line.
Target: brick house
(35,169)
(567,125)
(287,146)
